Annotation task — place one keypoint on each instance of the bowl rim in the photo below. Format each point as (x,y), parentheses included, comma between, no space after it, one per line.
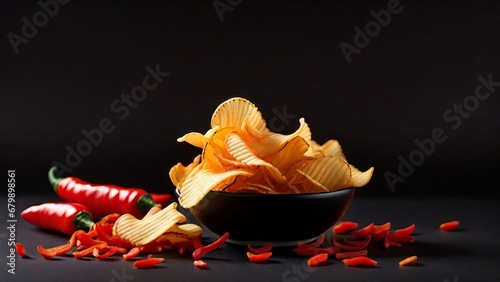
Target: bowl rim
(178,193)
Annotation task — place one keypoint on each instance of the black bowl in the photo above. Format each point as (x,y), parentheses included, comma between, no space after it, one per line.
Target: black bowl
(283,219)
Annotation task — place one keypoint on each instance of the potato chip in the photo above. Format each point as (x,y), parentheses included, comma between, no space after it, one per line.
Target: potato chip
(241,152)
(201,181)
(197,139)
(359,178)
(332,148)
(234,111)
(144,231)
(188,230)
(329,173)
(290,155)
(241,155)
(274,142)
(179,172)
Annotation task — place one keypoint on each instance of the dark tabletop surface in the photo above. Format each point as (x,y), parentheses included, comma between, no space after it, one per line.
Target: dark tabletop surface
(467,254)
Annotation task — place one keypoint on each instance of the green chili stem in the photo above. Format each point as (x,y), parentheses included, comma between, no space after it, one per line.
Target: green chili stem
(83,221)
(53,180)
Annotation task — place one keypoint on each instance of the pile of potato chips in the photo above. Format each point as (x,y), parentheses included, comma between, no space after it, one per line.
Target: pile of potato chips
(240,154)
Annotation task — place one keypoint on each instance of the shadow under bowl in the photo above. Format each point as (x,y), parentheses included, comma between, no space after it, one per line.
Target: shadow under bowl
(283,219)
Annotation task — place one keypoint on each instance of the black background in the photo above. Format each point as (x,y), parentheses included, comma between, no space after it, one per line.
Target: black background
(277,54)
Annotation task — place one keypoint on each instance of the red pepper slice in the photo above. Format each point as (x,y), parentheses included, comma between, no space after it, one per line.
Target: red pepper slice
(185,245)
(197,242)
(132,253)
(343,247)
(147,263)
(364,242)
(380,235)
(259,257)
(317,259)
(119,251)
(314,244)
(151,249)
(314,251)
(200,264)
(383,227)
(181,250)
(108,253)
(448,226)
(264,249)
(104,234)
(345,226)
(200,252)
(20,249)
(400,239)
(89,250)
(59,250)
(389,243)
(359,261)
(354,254)
(407,260)
(407,231)
(84,240)
(365,231)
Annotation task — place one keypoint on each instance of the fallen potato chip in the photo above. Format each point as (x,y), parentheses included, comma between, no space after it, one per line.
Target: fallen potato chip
(241,155)
(146,230)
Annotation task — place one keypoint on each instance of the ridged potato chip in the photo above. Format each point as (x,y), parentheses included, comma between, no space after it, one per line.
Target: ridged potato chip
(146,230)
(241,155)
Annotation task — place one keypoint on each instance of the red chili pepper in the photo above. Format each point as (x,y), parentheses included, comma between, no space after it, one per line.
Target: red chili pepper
(343,247)
(200,252)
(20,249)
(365,231)
(314,251)
(161,199)
(264,249)
(408,260)
(354,254)
(317,259)
(345,226)
(314,244)
(59,250)
(132,253)
(389,243)
(61,217)
(102,199)
(407,231)
(147,263)
(447,226)
(259,257)
(200,264)
(358,261)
